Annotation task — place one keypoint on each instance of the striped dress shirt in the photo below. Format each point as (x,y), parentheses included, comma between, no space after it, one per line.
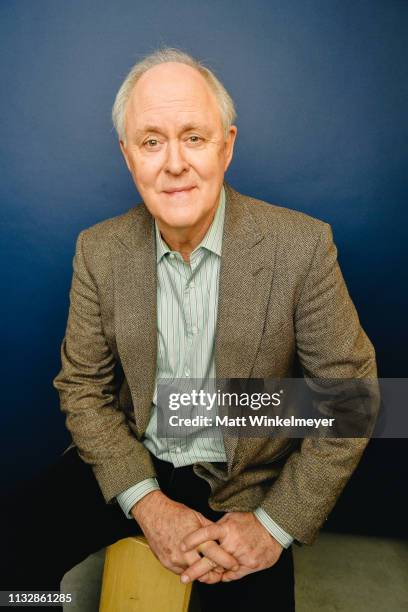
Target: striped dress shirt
(187,299)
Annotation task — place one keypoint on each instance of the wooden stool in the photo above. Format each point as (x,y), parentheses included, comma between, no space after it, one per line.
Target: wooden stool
(135,581)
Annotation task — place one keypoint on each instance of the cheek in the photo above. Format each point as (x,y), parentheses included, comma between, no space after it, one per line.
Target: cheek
(146,170)
(207,165)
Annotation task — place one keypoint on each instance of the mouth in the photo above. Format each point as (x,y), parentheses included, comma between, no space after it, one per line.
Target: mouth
(178,190)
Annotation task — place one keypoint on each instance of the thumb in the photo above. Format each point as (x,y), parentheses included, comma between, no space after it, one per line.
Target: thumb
(203,519)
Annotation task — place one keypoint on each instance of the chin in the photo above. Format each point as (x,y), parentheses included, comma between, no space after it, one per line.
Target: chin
(180,222)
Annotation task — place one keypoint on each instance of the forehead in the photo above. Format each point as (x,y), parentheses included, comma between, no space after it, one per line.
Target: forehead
(171,92)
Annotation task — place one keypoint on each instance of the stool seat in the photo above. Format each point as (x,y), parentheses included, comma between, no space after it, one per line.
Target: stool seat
(135,581)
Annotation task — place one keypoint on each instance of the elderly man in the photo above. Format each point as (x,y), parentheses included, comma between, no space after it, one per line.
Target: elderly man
(197,282)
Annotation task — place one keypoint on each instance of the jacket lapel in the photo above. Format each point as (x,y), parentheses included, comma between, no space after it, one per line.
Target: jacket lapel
(135,280)
(247,265)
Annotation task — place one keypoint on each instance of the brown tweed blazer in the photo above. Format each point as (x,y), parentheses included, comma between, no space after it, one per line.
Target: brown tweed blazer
(281,293)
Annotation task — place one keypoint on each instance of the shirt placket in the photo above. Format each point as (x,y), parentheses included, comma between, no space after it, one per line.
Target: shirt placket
(186,368)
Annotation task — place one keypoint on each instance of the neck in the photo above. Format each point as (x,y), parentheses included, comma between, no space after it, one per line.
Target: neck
(185,240)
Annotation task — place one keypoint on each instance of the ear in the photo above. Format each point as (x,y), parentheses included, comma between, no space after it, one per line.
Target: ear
(229,145)
(124,153)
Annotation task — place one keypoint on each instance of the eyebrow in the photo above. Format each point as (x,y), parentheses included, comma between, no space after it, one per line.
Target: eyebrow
(147,128)
(156,129)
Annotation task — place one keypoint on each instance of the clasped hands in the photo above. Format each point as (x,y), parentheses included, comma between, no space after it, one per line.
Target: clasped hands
(234,546)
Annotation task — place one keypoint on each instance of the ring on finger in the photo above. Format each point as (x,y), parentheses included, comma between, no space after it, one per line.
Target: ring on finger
(211,562)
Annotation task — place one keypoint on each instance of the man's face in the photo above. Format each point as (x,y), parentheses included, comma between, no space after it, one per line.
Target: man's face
(175,145)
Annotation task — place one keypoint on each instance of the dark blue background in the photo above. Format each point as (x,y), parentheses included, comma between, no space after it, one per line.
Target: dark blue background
(321,93)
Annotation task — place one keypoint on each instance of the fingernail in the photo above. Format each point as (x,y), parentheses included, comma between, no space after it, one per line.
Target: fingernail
(185,579)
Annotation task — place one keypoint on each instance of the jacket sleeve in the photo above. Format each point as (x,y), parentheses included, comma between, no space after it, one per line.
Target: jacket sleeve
(88,387)
(331,344)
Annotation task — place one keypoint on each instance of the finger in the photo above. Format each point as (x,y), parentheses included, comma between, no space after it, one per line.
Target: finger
(224,518)
(191,557)
(183,561)
(209,532)
(211,577)
(218,555)
(228,576)
(176,569)
(198,569)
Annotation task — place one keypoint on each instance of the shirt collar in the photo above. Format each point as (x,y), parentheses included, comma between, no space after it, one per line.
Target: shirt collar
(212,240)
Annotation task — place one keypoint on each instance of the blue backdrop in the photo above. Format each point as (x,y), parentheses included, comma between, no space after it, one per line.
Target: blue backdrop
(321,93)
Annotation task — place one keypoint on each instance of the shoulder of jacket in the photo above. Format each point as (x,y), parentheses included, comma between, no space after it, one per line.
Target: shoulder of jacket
(114,226)
(284,220)
(273,217)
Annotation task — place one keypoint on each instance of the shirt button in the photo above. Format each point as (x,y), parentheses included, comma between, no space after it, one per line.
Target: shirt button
(187,372)
(178,449)
(192,285)
(171,256)
(194,330)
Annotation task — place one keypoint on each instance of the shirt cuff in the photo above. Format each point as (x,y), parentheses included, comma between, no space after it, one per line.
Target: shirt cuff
(128,498)
(273,528)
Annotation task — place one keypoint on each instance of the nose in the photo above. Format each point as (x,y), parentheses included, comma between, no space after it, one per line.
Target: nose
(175,161)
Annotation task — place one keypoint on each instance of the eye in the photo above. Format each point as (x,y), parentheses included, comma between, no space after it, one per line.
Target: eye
(151,143)
(194,139)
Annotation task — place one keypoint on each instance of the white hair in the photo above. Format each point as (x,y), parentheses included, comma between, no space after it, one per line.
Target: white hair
(161,56)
